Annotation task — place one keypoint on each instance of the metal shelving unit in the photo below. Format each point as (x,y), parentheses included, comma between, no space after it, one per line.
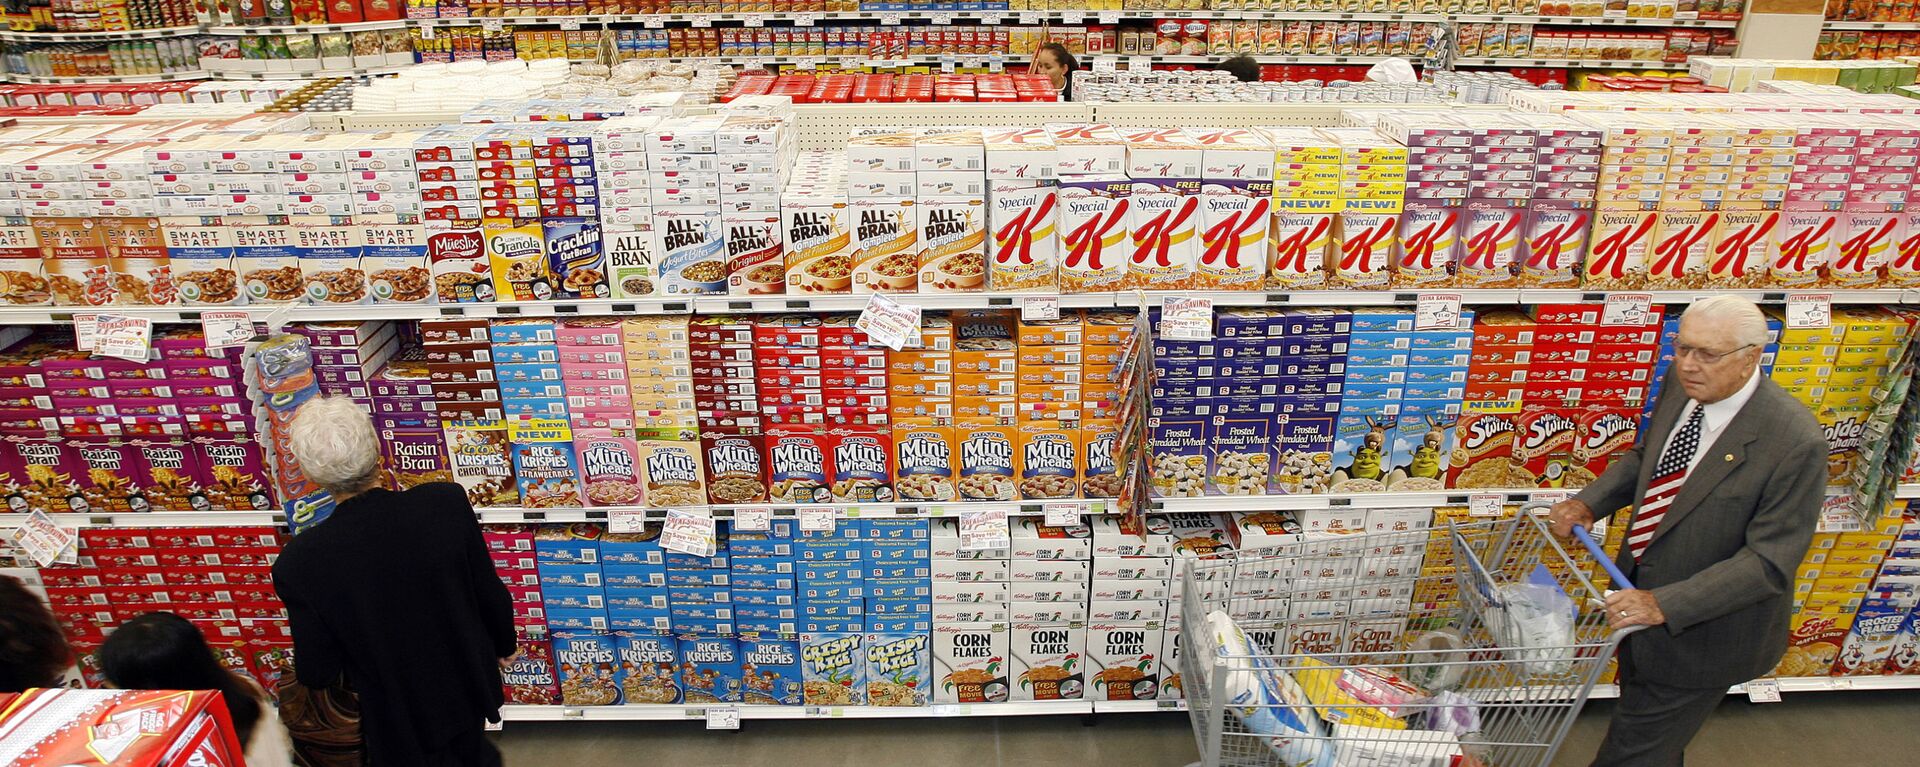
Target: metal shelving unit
(699,711)
(219,74)
(87,37)
(1873,26)
(1568,63)
(85,79)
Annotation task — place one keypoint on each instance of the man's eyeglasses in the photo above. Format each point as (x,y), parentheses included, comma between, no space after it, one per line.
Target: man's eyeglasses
(1683,351)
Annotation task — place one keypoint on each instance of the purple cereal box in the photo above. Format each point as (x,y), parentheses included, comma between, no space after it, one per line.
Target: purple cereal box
(171,478)
(1179,456)
(1491,241)
(237,474)
(575,258)
(1554,244)
(108,482)
(44,476)
(415,457)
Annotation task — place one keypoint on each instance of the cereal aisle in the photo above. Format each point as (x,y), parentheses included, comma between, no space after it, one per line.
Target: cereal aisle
(956,395)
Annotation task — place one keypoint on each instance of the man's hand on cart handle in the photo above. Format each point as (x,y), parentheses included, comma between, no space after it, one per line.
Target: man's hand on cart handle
(1634,607)
(1565,514)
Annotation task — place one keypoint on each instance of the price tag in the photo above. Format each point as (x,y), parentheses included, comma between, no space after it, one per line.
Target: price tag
(427,32)
(703,20)
(224,329)
(1437,311)
(890,19)
(723,718)
(803,64)
(1109,17)
(570,25)
(755,21)
(653,22)
(946,64)
(750,520)
(1140,63)
(129,338)
(43,539)
(1810,310)
(1106,64)
(943,18)
(1633,309)
(1763,691)
(1061,514)
(1486,504)
(805,19)
(83,325)
(496,726)
(1072,18)
(890,322)
(1027,17)
(817,519)
(984,530)
(991,18)
(1187,319)
(1040,308)
(994,64)
(492,25)
(688,532)
(626,520)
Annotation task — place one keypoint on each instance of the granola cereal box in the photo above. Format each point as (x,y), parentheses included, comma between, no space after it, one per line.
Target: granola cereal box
(1123,660)
(755,260)
(1739,251)
(797,464)
(574,257)
(819,237)
(457,257)
(395,259)
(899,669)
(770,671)
(546,475)
(1023,252)
(1617,249)
(710,669)
(1047,663)
(833,669)
(923,461)
(952,244)
(530,678)
(671,473)
(200,254)
(986,460)
(517,256)
(329,249)
(1299,258)
(589,666)
(630,262)
(23,279)
(609,467)
(970,663)
(137,256)
(885,245)
(736,467)
(1049,460)
(482,462)
(862,469)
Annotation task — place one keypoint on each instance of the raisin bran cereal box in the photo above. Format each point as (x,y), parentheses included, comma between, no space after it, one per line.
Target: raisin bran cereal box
(609,467)
(588,666)
(970,663)
(862,470)
(529,678)
(1049,460)
(923,461)
(833,669)
(43,476)
(414,457)
(457,257)
(770,671)
(649,668)
(546,475)
(1023,251)
(482,462)
(1123,659)
(797,464)
(172,479)
(736,467)
(108,482)
(671,473)
(986,460)
(1046,661)
(899,669)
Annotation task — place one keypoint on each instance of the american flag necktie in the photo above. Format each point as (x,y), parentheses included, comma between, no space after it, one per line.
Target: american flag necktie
(1668,476)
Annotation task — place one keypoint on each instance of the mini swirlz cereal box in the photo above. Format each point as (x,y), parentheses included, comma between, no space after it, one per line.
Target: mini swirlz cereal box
(833,669)
(898,667)
(649,668)
(587,669)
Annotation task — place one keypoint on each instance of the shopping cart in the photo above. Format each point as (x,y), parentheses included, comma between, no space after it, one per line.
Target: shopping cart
(1505,638)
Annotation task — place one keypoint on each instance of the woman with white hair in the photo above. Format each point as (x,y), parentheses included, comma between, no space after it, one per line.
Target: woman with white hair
(396,592)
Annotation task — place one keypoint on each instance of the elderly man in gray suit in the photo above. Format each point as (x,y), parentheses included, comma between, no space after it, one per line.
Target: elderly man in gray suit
(1724,492)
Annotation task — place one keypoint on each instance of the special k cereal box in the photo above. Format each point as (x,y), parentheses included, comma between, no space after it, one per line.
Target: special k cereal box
(1801,246)
(987,463)
(952,244)
(1123,660)
(1865,250)
(1428,243)
(885,245)
(1233,240)
(1490,247)
(1618,247)
(1049,460)
(1023,246)
(1164,220)
(1299,244)
(1682,246)
(1904,270)
(1095,231)
(1363,249)
(1555,241)
(924,461)
(1738,255)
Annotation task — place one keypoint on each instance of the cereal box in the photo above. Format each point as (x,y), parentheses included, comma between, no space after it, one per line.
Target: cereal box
(1603,434)
(986,461)
(630,262)
(529,678)
(1178,446)
(770,672)
(1490,243)
(77,264)
(1364,243)
(1046,661)
(1421,435)
(1482,454)
(1865,250)
(457,255)
(329,249)
(23,280)
(517,256)
(923,461)
(1801,246)
(1233,242)
(482,463)
(588,669)
(1543,445)
(107,483)
(1299,244)
(670,473)
(1360,446)
(1164,224)
(44,476)
(862,471)
(414,457)
(1871,639)
(1428,243)
(1239,454)
(394,256)
(1023,254)
(608,467)
(1555,241)
(952,244)
(797,464)
(1099,473)
(546,475)
(1903,271)
(1618,247)
(265,258)
(885,245)
(200,252)
(690,245)
(755,262)
(1739,251)
(970,663)
(1094,226)
(899,669)
(172,478)
(1049,460)
(649,668)
(818,244)
(710,669)
(1124,660)
(1904,658)
(574,257)
(1682,249)
(1813,643)
(138,262)
(833,669)
(736,471)
(1170,687)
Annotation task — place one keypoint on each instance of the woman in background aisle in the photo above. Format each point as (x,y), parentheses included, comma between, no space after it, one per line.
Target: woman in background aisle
(32,651)
(163,651)
(1058,65)
(396,591)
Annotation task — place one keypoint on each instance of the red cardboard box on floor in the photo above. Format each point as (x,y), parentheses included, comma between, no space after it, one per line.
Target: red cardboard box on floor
(117,728)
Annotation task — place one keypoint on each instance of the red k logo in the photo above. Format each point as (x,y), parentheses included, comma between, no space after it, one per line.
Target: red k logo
(1225,239)
(1730,255)
(1855,251)
(1154,241)
(1357,251)
(1485,244)
(1419,247)
(1906,256)
(1670,254)
(1290,254)
(1015,240)
(1088,241)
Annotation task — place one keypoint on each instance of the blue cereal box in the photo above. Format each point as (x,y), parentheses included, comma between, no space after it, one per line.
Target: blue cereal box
(1305,442)
(649,666)
(587,664)
(546,476)
(710,669)
(833,669)
(575,544)
(770,672)
(1421,435)
(1360,447)
(899,669)
(575,259)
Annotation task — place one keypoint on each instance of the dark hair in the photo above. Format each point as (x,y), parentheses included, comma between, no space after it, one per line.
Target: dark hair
(1060,54)
(163,651)
(32,651)
(1242,67)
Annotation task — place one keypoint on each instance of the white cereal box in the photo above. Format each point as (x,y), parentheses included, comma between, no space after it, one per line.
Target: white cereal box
(970,663)
(1123,660)
(632,272)
(457,257)
(394,257)
(1314,636)
(1365,637)
(1428,244)
(1047,661)
(833,669)
(1299,250)
(818,239)
(264,257)
(1801,246)
(1865,250)
(1018,154)
(1682,243)
(1871,640)
(200,250)
(1904,658)
(1082,150)
(885,245)
(1363,249)
(755,260)
(1096,238)
(899,669)
(1170,685)
(329,248)
(952,244)
(1023,252)
(691,247)
(1233,241)
(1165,223)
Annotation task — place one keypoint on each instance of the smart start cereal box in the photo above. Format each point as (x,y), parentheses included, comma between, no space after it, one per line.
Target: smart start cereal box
(833,669)
(770,671)
(649,668)
(898,669)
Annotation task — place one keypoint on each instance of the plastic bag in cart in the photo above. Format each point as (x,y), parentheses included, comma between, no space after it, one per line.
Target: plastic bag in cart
(1267,700)
(1533,615)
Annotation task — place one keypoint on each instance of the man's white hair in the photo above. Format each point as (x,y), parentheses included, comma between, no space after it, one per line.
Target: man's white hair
(333,440)
(1743,317)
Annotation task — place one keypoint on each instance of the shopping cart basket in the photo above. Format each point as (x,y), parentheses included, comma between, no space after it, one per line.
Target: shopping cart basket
(1471,644)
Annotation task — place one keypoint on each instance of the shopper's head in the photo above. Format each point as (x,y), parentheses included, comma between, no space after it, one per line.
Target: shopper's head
(1243,68)
(163,651)
(333,440)
(1053,60)
(1720,343)
(32,652)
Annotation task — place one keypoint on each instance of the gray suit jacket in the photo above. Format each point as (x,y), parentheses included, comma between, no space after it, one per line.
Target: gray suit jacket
(1722,562)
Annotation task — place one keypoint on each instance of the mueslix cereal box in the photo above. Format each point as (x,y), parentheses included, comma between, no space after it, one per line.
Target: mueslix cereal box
(1429,242)
(797,464)
(546,475)
(200,254)
(1164,223)
(631,269)
(1363,244)
(833,669)
(1299,243)
(899,669)
(482,462)
(886,252)
(1739,251)
(770,672)
(756,261)
(952,244)
(670,471)
(649,668)
(1618,248)
(1555,241)
(1233,241)
(1049,460)
(394,256)
(1047,662)
(1023,247)
(23,278)
(457,257)
(970,663)
(690,245)
(575,258)
(736,467)
(710,669)
(589,667)
(1682,249)
(1123,659)
(986,460)
(1095,212)
(517,257)
(609,467)
(862,466)
(329,249)
(1865,250)
(819,244)
(923,459)
(529,677)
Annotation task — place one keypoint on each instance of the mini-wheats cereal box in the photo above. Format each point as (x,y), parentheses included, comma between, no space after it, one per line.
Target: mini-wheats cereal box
(588,669)
(833,669)
(862,472)
(923,461)
(1124,660)
(671,472)
(649,668)
(986,461)
(710,669)
(530,678)
(1049,460)
(796,464)
(898,669)
(970,662)
(1046,661)
(770,671)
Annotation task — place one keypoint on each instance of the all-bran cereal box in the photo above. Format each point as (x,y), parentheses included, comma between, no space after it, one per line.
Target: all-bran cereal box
(1871,639)
(1049,460)
(1100,476)
(710,669)
(886,251)
(1801,246)
(1299,257)
(1363,249)
(1482,453)
(1555,242)
(546,475)
(1124,660)
(691,246)
(819,237)
(23,279)
(670,473)
(589,669)
(1023,248)
(1865,250)
(952,244)
(529,678)
(755,260)
(923,459)
(833,669)
(1681,252)
(457,257)
(200,254)
(574,257)
(517,256)
(1429,242)
(797,464)
(970,663)
(609,467)
(482,462)
(736,467)
(1095,231)
(1903,271)
(862,466)
(1618,247)
(138,259)
(1164,224)
(394,256)
(1813,643)
(1739,252)
(899,669)
(770,672)
(1490,243)
(631,267)
(1047,663)
(986,460)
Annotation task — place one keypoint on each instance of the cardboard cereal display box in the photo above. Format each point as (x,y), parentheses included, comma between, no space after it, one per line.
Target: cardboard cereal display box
(530,678)
(770,671)
(649,668)
(1023,252)
(1801,246)
(1813,643)
(833,669)
(1047,663)
(710,669)
(970,663)
(1094,224)
(517,256)
(588,669)
(1300,242)
(1618,249)
(1123,660)
(899,669)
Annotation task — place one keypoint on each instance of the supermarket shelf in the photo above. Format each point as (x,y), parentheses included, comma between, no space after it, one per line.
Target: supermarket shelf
(304,74)
(81,37)
(950,17)
(166,78)
(158,519)
(309,29)
(1137,706)
(1593,21)
(1571,63)
(1807,684)
(1888,26)
(841,510)
(1865,296)
(1455,497)
(699,712)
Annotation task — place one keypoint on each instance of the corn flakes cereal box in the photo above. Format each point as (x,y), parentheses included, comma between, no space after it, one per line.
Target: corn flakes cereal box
(1049,460)
(1316,636)
(797,464)
(986,460)
(924,467)
(1367,639)
(649,668)
(1047,663)
(23,279)
(1123,659)
(1363,249)
(1482,453)
(482,462)
(530,679)
(609,467)
(1865,250)
(1801,246)
(970,663)
(899,669)
(1739,250)
(1023,251)
(770,671)
(819,244)
(631,267)
(1170,647)
(671,474)
(1813,642)
(736,467)
(862,466)
(517,256)
(1095,232)
(833,669)
(589,669)
(1299,244)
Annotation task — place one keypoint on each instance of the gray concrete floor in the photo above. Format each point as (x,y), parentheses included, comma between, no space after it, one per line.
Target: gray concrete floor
(1844,729)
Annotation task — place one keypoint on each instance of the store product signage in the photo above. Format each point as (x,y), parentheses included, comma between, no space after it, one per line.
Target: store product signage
(1186,319)
(890,322)
(747,520)
(1040,308)
(688,532)
(817,520)
(1061,514)
(1437,311)
(83,325)
(225,329)
(1631,309)
(128,338)
(626,520)
(1486,504)
(46,541)
(984,530)
(1810,310)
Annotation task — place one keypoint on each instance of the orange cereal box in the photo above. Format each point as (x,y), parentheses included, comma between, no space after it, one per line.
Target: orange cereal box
(1482,454)
(987,460)
(1049,460)
(924,461)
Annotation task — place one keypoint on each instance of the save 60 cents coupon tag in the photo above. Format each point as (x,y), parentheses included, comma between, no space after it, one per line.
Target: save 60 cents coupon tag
(889,322)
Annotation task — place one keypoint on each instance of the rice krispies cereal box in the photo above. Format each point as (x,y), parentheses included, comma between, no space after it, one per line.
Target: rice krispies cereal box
(1047,663)
(649,668)
(862,466)
(899,669)
(770,671)
(833,667)
(970,663)
(529,677)
(588,666)
(923,461)
(546,475)
(1123,660)
(986,460)
(482,462)
(710,669)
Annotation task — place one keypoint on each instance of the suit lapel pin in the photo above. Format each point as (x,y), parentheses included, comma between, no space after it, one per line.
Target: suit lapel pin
(1729,458)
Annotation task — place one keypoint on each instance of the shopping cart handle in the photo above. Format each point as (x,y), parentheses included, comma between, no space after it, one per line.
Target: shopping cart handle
(1600,554)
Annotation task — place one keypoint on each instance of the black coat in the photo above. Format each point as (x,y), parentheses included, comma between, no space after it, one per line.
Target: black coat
(397,591)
